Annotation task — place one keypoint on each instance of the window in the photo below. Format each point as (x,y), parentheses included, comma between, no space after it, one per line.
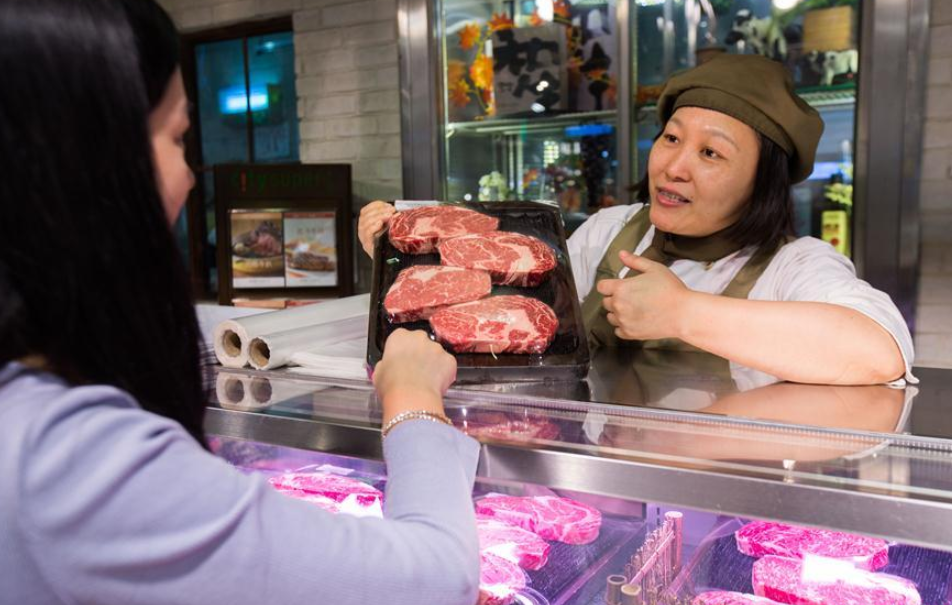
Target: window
(241,82)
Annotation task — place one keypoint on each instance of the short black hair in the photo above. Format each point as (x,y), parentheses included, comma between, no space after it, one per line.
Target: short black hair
(91,279)
(767,220)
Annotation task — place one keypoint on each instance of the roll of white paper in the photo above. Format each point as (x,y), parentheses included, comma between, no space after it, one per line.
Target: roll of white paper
(270,351)
(233,336)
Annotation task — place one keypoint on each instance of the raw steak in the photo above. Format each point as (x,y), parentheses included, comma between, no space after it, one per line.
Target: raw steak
(418,231)
(723,597)
(499,324)
(335,487)
(347,506)
(819,581)
(512,259)
(550,517)
(421,290)
(767,538)
(512,543)
(499,580)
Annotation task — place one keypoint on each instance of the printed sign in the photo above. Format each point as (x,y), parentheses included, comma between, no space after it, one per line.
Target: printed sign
(257,249)
(310,249)
(529,65)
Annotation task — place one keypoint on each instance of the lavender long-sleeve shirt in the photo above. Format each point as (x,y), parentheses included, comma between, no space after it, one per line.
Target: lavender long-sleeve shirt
(102,502)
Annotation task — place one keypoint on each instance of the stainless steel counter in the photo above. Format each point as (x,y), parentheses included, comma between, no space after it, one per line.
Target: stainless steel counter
(682,430)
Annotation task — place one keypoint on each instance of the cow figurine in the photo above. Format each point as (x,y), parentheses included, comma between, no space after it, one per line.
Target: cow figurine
(832,63)
(763,35)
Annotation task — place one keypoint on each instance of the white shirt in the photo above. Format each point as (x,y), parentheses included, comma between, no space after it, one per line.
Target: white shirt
(807,269)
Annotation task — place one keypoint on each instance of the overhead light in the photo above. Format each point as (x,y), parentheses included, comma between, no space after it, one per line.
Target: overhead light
(785,4)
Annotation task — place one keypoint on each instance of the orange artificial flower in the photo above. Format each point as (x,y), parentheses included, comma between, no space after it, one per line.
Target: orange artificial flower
(481,72)
(469,36)
(500,21)
(459,93)
(535,19)
(455,71)
(531,176)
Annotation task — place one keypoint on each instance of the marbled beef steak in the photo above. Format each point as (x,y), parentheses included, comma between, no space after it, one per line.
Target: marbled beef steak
(419,230)
(498,324)
(512,259)
(421,290)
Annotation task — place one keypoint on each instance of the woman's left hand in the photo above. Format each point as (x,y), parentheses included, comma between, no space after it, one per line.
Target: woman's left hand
(647,306)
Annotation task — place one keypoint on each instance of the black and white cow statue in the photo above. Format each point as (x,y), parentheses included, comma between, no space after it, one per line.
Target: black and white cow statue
(831,63)
(762,35)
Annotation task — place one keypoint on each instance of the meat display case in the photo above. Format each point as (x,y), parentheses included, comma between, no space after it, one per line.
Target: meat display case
(648,441)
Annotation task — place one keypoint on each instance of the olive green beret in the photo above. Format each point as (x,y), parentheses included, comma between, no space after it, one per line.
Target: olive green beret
(758,92)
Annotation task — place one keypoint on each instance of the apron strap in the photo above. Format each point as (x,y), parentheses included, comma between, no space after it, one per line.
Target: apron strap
(600,332)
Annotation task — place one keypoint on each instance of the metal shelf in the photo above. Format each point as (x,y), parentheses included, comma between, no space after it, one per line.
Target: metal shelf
(519,125)
(822,98)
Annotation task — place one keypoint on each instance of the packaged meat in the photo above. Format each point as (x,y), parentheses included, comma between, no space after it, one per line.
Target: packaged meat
(551,517)
(499,324)
(512,543)
(499,580)
(421,290)
(328,485)
(816,580)
(511,259)
(419,230)
(724,597)
(761,538)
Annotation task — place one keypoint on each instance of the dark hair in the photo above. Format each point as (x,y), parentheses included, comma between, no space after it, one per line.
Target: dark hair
(157,45)
(768,218)
(90,277)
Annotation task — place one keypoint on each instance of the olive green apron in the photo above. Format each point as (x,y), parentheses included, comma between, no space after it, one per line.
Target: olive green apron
(602,334)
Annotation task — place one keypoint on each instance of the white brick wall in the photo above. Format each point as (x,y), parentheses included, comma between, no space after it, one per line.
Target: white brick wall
(934,315)
(347,82)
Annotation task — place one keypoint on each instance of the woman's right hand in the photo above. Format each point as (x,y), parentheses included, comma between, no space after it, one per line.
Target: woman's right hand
(414,374)
(373,218)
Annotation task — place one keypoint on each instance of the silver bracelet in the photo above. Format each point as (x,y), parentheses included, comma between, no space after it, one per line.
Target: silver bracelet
(414,415)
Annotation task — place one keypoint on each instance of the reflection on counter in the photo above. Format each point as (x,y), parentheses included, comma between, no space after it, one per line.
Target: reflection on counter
(540,546)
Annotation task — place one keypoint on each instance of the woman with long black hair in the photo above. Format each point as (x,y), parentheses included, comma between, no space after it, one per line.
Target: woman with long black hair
(108,494)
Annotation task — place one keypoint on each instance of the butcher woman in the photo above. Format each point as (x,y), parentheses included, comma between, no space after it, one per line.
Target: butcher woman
(706,258)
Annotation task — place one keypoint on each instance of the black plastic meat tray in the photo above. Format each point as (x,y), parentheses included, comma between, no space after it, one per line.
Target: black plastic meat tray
(567,358)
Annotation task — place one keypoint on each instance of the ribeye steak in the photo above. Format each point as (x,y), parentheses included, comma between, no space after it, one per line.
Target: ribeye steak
(421,290)
(419,230)
(512,543)
(761,538)
(819,581)
(335,487)
(511,259)
(499,580)
(551,517)
(498,324)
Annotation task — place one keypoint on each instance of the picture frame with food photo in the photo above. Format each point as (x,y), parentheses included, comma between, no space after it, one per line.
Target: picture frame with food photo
(257,248)
(310,249)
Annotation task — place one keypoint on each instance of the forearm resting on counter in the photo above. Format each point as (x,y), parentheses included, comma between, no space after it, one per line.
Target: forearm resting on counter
(807,342)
